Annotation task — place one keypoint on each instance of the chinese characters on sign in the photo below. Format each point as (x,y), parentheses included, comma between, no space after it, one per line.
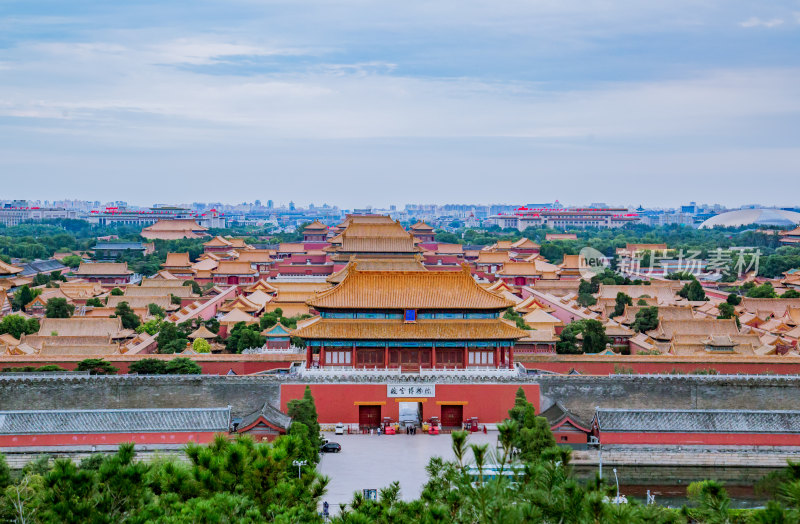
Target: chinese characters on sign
(410,391)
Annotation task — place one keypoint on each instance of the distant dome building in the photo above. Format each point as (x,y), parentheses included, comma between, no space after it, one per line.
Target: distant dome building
(754,217)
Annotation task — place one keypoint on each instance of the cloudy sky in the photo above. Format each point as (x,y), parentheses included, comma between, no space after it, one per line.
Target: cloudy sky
(374,103)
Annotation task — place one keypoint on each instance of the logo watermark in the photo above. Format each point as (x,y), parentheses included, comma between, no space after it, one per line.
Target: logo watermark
(592,262)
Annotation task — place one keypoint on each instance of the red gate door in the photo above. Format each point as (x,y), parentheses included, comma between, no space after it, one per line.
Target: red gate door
(452,416)
(369,416)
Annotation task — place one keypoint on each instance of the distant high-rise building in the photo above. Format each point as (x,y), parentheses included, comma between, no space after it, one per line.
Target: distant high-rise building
(270,204)
(291,206)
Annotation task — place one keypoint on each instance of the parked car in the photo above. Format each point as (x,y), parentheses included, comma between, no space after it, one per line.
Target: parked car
(331,447)
(338,429)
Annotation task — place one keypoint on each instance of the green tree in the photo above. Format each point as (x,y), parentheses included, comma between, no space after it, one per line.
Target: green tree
(250,338)
(117,292)
(183,366)
(17,325)
(622,300)
(58,308)
(5,472)
(242,337)
(693,291)
(156,310)
(22,297)
(734,299)
(594,336)
(646,319)
(530,434)
(201,346)
(68,495)
(304,411)
(712,501)
(175,346)
(725,310)
(568,341)
(94,302)
(791,293)
(96,366)
(33,369)
(129,319)
(268,320)
(586,287)
(167,334)
(765,290)
(195,287)
(148,366)
(515,317)
(150,327)
(586,300)
(72,261)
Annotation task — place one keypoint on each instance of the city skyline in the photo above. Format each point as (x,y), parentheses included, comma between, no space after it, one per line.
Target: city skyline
(77,203)
(366,103)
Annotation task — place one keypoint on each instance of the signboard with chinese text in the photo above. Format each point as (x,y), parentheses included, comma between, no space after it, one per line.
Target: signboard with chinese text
(410,390)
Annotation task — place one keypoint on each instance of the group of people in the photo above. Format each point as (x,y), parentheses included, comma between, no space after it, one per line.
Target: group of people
(411,430)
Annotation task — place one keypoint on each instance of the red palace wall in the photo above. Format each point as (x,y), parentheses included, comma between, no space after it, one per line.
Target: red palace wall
(696,439)
(339,402)
(211,364)
(662,365)
(97,439)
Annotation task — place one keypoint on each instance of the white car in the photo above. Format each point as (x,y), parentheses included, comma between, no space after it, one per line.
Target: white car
(338,429)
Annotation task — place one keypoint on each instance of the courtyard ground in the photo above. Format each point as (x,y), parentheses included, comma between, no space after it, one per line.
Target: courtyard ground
(373,462)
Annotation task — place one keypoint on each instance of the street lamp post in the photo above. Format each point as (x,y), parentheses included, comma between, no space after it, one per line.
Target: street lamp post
(617,479)
(299,464)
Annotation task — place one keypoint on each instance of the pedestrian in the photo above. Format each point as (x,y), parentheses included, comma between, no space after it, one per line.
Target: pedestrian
(325,509)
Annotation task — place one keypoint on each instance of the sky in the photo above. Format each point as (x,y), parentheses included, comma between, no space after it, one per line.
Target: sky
(358,103)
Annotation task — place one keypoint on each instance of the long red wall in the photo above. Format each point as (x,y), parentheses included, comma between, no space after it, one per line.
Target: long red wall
(770,365)
(338,402)
(96,439)
(694,439)
(211,364)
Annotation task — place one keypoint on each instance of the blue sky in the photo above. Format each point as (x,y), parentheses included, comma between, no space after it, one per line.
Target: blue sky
(374,103)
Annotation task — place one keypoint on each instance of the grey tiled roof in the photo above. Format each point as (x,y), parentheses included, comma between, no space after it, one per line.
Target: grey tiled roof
(118,245)
(698,421)
(271,414)
(557,412)
(114,421)
(41,266)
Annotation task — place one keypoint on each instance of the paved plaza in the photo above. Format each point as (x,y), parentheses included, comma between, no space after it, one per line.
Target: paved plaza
(370,461)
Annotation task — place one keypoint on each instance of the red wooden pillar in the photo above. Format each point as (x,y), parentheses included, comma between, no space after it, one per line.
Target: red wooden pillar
(309,357)
(386,355)
(465,357)
(497,356)
(510,357)
(322,356)
(433,357)
(354,356)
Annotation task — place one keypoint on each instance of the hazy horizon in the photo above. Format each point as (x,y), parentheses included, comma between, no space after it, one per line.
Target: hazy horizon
(368,103)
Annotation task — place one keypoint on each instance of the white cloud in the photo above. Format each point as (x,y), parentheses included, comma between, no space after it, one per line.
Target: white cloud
(128,90)
(199,51)
(757,22)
